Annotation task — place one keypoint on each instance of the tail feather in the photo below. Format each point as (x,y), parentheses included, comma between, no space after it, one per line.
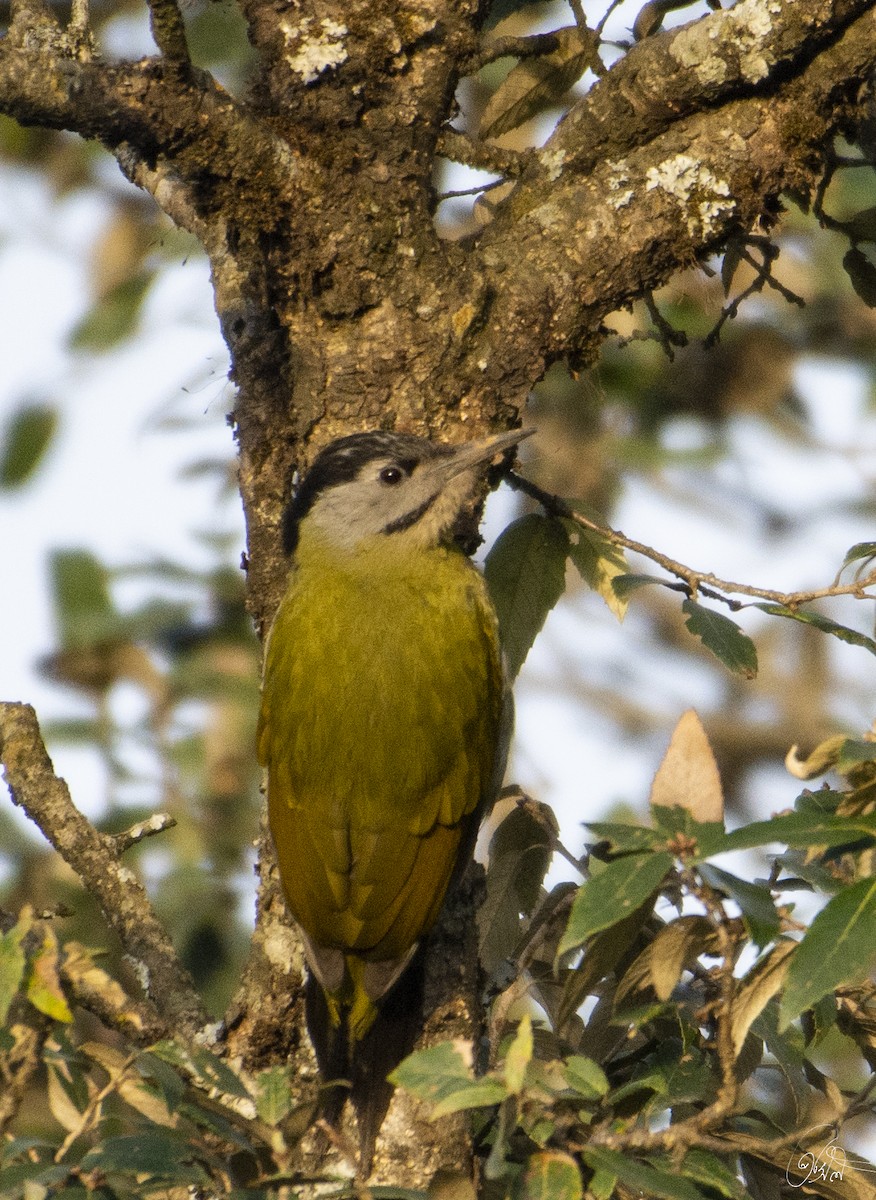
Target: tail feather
(357,1069)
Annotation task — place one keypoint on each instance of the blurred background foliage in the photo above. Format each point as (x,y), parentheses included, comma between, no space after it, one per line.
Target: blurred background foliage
(673,429)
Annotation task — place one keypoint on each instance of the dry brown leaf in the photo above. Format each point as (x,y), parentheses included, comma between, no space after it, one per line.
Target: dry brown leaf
(536,83)
(688,775)
(762,982)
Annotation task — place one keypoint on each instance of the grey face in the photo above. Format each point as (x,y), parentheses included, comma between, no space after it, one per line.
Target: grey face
(388,484)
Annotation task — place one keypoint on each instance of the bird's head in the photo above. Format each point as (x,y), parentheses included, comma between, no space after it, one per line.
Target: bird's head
(376,484)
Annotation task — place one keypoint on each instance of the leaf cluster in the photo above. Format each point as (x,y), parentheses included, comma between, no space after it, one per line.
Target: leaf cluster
(696,985)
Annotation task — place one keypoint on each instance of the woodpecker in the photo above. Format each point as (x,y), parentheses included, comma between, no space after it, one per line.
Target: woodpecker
(383,728)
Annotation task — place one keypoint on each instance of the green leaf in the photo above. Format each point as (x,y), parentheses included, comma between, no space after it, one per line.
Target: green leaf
(852,636)
(519,1056)
(218,1074)
(641,1179)
(599,563)
(164,1077)
(705,837)
(12,966)
(158,1153)
(858,551)
(526,575)
(754,899)
(83,609)
(611,895)
(723,637)
(442,1075)
(801,830)
(838,948)
(623,586)
(623,838)
(714,1173)
(520,853)
(113,317)
(585,1077)
(27,437)
(549,1175)
(273,1096)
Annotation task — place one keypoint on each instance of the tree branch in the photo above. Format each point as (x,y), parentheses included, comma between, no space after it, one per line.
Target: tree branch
(681,72)
(169,31)
(95,859)
(694,581)
(566,250)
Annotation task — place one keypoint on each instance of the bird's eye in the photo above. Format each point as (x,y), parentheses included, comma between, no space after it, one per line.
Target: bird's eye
(391,476)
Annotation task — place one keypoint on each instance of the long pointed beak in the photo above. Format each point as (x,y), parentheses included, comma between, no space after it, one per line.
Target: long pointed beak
(473,454)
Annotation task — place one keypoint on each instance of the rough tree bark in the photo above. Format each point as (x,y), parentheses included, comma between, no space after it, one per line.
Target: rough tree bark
(343,309)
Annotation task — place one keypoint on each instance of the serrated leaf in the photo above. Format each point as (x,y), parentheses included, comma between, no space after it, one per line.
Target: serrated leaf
(526,575)
(838,948)
(759,912)
(801,830)
(549,1175)
(852,636)
(688,774)
(643,1180)
(27,437)
(723,637)
(519,1056)
(520,852)
(604,951)
(613,894)
(754,992)
(537,83)
(599,563)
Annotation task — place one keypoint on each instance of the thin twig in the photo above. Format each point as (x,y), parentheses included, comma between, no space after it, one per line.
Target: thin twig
(510,47)
(472,191)
(143,829)
(694,582)
(92,1109)
(459,148)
